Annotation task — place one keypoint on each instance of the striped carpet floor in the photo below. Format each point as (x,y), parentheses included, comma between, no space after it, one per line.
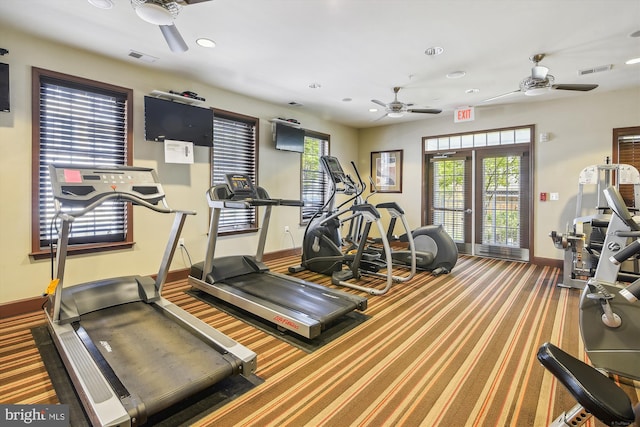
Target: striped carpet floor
(453,350)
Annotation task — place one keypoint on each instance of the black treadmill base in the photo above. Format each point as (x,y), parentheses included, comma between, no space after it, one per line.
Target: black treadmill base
(339,327)
(182,414)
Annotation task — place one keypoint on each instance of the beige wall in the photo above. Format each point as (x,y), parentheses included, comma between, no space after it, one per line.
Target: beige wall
(580,128)
(279,172)
(581,135)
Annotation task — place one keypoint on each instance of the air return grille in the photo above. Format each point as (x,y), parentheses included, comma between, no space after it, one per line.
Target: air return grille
(598,69)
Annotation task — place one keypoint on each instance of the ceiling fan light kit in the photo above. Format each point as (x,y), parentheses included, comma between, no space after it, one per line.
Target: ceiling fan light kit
(537,91)
(156,13)
(162,13)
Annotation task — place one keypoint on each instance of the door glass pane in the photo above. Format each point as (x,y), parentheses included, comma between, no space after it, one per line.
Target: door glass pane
(448,196)
(501,201)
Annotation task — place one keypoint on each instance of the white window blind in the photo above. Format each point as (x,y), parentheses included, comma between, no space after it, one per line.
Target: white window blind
(83,126)
(234,151)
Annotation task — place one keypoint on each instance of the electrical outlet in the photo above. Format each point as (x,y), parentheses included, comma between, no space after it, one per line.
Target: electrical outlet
(286,228)
(181,241)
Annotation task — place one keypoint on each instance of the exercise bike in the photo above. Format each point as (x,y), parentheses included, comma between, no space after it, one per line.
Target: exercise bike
(610,331)
(322,248)
(609,313)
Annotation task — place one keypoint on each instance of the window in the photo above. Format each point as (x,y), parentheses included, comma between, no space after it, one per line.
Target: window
(235,143)
(626,149)
(314,184)
(85,123)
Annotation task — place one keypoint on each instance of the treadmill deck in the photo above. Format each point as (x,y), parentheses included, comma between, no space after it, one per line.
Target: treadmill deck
(314,303)
(155,358)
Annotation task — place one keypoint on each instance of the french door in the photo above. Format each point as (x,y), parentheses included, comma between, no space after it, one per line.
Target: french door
(482,198)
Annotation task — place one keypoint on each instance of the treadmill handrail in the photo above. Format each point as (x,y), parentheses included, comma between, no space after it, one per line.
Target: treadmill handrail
(124,197)
(230,200)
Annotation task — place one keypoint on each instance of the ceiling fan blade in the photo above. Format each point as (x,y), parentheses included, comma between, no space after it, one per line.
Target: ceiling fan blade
(501,96)
(174,39)
(193,1)
(578,87)
(425,110)
(382,104)
(381,117)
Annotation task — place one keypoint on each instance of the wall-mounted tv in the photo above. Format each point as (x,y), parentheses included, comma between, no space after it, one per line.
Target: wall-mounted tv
(4,87)
(289,138)
(164,119)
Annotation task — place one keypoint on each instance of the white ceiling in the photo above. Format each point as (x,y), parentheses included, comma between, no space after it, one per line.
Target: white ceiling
(360,49)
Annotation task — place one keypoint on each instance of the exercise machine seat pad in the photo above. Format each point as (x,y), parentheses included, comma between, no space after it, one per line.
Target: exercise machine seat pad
(596,392)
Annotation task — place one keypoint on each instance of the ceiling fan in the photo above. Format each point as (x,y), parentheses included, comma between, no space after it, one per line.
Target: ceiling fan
(396,108)
(163,13)
(541,82)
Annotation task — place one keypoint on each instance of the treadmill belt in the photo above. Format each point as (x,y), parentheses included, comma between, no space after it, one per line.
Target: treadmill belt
(156,359)
(186,413)
(316,304)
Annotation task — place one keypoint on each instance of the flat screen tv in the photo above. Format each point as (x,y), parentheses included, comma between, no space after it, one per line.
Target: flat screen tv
(164,119)
(4,87)
(289,138)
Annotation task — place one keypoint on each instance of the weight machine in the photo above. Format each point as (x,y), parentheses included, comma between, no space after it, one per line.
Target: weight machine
(582,243)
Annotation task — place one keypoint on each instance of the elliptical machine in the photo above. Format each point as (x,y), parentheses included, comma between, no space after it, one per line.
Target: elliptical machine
(322,244)
(435,249)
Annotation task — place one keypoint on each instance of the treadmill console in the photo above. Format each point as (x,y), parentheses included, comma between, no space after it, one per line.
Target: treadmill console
(241,186)
(82,185)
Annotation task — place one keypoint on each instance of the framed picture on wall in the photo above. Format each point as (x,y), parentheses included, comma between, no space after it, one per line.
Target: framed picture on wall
(386,171)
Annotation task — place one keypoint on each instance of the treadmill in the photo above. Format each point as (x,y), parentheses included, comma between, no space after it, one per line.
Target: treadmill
(129,352)
(245,282)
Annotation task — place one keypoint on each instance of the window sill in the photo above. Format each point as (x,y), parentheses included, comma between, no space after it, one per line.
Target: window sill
(230,232)
(85,249)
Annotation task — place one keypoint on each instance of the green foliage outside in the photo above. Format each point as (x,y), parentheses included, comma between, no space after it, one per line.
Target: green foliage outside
(500,198)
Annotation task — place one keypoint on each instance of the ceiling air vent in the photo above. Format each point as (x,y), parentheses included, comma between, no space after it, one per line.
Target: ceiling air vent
(142,56)
(599,69)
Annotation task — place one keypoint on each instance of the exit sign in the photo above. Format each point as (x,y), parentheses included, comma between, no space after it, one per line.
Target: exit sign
(464,114)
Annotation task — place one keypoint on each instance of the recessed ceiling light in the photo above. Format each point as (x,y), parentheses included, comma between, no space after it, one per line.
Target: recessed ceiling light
(373,110)
(315,85)
(633,61)
(473,90)
(433,51)
(205,42)
(102,4)
(456,74)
